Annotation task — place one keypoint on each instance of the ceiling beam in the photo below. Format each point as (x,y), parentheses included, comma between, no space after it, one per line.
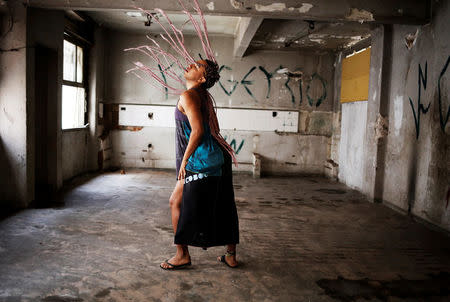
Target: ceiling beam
(247,28)
(380,11)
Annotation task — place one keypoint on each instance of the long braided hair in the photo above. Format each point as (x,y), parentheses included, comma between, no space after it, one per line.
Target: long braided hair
(212,76)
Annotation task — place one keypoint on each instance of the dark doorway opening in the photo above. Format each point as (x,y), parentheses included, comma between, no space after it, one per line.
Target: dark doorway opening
(46,128)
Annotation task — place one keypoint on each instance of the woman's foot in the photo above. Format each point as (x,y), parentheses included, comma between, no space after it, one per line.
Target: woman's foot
(176,262)
(229,259)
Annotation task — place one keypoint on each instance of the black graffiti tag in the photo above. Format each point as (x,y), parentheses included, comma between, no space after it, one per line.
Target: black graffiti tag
(443,120)
(422,80)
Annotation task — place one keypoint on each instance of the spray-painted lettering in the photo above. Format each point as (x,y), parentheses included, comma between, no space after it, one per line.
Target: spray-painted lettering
(233,144)
(269,76)
(323,85)
(443,117)
(422,80)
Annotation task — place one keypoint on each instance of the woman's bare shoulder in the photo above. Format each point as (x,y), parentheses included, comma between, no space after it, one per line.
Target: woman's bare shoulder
(190,98)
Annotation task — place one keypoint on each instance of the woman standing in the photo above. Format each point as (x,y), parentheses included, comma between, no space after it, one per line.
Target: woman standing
(202,204)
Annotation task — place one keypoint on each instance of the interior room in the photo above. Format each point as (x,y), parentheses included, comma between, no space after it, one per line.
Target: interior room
(337,113)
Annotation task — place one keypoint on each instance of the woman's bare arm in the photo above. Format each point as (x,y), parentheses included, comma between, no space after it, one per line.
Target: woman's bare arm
(191,103)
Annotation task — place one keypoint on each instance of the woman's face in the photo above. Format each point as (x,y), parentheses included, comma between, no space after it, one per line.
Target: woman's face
(196,72)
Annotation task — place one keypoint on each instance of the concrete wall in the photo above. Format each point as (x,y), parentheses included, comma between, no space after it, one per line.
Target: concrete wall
(76,148)
(46,29)
(417,164)
(15,177)
(95,96)
(80,147)
(33,29)
(405,157)
(245,84)
(75,152)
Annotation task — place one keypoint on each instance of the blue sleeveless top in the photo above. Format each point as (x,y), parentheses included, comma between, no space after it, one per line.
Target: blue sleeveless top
(182,133)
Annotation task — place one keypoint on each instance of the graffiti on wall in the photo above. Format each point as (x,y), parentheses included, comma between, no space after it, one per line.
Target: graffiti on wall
(291,79)
(418,107)
(422,80)
(237,148)
(443,115)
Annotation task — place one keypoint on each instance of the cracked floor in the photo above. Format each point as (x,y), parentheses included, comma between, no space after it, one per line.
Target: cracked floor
(302,239)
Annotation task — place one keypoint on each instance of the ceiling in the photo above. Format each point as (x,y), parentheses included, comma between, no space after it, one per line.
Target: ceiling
(120,20)
(298,34)
(271,34)
(317,25)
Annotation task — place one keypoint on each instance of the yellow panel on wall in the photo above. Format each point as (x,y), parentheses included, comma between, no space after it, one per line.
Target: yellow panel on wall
(355,77)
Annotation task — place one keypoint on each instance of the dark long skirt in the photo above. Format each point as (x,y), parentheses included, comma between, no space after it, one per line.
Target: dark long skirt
(208,215)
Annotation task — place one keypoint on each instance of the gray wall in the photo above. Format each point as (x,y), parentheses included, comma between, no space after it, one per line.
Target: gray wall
(405,158)
(76,148)
(45,28)
(303,152)
(15,188)
(33,28)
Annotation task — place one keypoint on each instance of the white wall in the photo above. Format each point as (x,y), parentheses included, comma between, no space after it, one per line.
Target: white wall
(303,152)
(351,147)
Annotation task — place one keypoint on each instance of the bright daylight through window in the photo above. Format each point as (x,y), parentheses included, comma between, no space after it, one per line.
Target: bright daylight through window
(73,89)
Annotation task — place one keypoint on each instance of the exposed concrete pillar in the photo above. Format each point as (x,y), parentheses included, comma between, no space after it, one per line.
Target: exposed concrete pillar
(377,112)
(246,31)
(256,165)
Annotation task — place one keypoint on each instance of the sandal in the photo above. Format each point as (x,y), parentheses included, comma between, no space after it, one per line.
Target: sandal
(174,267)
(228,253)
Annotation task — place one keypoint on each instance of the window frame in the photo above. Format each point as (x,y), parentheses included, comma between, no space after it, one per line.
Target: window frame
(84,82)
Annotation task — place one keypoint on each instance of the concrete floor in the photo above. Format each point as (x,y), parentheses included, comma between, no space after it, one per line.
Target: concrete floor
(302,239)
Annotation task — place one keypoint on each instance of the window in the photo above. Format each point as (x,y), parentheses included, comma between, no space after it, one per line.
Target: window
(74,104)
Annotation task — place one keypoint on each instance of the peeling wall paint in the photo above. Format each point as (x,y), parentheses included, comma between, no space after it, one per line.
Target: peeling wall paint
(381,127)
(237,4)
(410,39)
(360,15)
(210,5)
(319,41)
(302,9)
(270,8)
